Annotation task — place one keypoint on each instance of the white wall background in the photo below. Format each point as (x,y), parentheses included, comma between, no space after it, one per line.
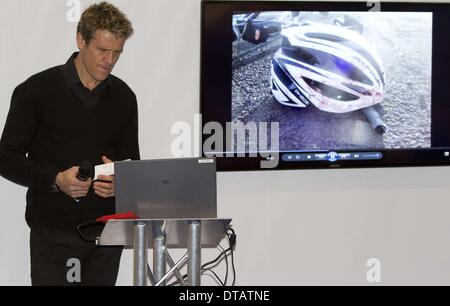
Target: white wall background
(294,227)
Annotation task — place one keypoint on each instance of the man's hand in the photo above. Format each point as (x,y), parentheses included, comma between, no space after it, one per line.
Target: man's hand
(105,186)
(69,184)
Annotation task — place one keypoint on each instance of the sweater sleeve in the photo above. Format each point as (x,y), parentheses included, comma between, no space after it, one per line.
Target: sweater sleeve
(127,144)
(19,130)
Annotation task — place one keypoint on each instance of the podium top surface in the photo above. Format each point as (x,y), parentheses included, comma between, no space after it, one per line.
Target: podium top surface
(121,232)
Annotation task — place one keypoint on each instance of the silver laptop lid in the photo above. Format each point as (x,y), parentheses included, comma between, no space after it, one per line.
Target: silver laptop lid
(167,188)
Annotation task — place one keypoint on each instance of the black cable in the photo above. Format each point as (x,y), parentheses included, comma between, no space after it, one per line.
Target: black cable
(203,267)
(84,225)
(226,264)
(232,266)
(217,277)
(232,239)
(233,236)
(221,254)
(232,242)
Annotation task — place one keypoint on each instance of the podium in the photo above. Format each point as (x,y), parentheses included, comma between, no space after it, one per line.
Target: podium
(160,235)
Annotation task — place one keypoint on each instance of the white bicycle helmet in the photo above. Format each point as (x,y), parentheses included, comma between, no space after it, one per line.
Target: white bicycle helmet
(334,68)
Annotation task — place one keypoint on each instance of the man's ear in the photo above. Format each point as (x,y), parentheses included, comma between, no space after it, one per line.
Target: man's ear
(81,43)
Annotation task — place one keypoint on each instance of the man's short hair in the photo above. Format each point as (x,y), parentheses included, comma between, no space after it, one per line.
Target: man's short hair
(104,16)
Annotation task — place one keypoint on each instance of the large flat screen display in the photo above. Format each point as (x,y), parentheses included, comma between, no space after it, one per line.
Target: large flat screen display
(288,85)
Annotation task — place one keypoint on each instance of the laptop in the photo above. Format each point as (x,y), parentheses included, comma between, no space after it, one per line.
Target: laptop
(178,188)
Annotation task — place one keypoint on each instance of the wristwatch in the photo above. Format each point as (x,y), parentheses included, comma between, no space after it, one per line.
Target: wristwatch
(54,188)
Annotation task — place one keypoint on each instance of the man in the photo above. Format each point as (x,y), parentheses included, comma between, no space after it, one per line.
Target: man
(58,119)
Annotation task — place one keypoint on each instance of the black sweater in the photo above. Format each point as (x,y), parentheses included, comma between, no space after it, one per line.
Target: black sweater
(48,130)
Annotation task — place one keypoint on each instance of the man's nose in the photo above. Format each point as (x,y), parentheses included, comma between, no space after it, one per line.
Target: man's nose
(109,58)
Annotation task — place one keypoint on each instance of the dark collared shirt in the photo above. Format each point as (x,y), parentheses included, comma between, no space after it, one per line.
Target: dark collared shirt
(49,130)
(73,82)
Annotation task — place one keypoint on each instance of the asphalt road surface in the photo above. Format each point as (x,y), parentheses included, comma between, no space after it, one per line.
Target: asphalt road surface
(404,44)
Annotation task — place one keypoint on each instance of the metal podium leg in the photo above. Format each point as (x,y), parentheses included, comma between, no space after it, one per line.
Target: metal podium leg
(140,255)
(159,258)
(194,253)
(172,265)
(174,269)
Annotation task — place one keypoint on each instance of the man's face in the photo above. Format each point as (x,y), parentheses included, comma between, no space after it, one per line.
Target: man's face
(101,54)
